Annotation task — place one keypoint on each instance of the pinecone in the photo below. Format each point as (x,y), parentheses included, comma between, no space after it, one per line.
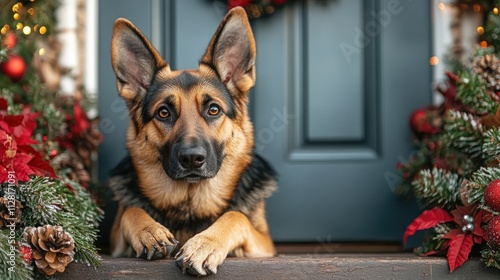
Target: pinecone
(73,162)
(488,67)
(10,213)
(53,248)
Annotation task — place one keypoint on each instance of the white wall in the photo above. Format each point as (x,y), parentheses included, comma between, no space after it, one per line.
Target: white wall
(69,57)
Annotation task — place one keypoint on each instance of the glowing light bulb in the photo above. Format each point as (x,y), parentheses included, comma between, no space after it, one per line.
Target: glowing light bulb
(27,30)
(434,60)
(42,30)
(4,29)
(480,30)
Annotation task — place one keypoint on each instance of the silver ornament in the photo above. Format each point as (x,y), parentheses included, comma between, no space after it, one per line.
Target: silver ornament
(468,219)
(468,228)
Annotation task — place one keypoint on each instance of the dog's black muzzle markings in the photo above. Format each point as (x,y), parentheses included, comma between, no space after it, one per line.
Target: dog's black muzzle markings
(192,161)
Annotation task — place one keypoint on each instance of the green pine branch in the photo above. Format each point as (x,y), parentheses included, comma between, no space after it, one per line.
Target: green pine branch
(491,145)
(479,181)
(432,243)
(437,187)
(66,204)
(490,257)
(464,132)
(409,169)
(471,91)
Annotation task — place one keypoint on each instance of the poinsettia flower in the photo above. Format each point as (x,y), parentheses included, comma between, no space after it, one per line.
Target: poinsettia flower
(461,238)
(16,153)
(469,231)
(458,217)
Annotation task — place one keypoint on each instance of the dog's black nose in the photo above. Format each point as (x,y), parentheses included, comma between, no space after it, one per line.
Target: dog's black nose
(192,157)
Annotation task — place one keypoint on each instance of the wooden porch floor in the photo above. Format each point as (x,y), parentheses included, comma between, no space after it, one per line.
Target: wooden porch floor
(291,266)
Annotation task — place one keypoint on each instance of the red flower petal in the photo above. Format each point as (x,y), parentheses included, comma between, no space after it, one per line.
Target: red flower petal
(458,253)
(41,167)
(478,230)
(81,120)
(460,212)
(8,123)
(3,104)
(427,219)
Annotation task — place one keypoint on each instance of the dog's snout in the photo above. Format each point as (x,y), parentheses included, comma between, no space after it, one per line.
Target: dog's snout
(192,157)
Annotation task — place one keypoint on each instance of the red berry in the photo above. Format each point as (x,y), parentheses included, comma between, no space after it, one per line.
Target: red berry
(492,195)
(53,153)
(26,253)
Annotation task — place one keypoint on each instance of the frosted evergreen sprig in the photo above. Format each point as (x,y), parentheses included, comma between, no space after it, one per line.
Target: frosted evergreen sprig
(463,131)
(437,187)
(471,91)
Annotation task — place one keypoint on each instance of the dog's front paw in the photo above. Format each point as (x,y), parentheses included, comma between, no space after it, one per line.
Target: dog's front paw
(153,242)
(201,255)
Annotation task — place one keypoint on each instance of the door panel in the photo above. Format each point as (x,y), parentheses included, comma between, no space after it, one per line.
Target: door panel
(332,85)
(335,85)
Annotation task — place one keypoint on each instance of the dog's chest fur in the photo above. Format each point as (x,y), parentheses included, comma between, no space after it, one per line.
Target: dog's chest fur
(188,217)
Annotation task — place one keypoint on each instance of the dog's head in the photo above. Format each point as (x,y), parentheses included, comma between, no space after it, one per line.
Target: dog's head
(190,121)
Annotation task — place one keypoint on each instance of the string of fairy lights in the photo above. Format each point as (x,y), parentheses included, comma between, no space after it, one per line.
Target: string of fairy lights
(19,13)
(476,8)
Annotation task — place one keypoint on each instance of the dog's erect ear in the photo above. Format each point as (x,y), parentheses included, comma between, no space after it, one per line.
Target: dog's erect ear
(134,59)
(231,52)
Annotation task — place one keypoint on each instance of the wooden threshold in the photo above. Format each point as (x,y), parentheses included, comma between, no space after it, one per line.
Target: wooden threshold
(334,248)
(309,266)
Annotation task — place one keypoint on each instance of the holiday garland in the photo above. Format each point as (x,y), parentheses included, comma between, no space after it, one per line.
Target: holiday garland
(455,174)
(48,216)
(260,8)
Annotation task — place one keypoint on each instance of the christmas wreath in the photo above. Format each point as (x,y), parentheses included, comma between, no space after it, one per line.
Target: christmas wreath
(48,214)
(259,8)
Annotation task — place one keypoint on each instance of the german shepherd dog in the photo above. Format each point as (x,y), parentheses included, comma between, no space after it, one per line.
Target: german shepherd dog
(191,180)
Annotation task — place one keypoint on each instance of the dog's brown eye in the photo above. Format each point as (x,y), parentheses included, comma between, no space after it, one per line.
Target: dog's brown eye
(213,110)
(163,112)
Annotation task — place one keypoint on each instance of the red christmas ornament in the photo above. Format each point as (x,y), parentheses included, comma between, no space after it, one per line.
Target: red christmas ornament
(10,40)
(14,67)
(421,122)
(492,195)
(26,254)
(493,232)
